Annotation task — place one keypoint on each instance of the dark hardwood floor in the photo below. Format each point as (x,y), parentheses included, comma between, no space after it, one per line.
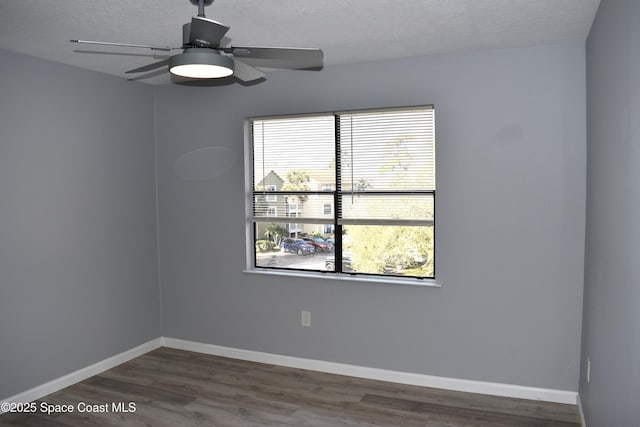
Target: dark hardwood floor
(168,387)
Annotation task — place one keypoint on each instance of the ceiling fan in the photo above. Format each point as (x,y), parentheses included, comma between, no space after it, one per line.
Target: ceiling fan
(204,58)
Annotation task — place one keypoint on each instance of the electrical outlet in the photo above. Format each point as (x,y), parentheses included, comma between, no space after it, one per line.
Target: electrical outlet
(588,370)
(305,318)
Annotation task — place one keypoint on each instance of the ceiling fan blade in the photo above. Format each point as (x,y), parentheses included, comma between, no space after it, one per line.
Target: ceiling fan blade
(246,72)
(144,46)
(148,75)
(206,32)
(149,67)
(278,57)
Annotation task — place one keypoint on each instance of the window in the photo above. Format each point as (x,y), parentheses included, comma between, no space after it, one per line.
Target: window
(360,185)
(271,197)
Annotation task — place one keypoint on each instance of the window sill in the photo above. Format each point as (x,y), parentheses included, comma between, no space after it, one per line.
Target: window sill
(425,283)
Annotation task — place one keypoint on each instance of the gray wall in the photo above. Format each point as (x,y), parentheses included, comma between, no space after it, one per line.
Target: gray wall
(78,264)
(78,267)
(611,331)
(511,170)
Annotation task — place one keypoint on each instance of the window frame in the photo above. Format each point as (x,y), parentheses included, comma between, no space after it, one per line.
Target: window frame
(251,224)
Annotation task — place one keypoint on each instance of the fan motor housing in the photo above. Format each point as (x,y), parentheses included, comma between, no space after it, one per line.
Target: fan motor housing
(186,31)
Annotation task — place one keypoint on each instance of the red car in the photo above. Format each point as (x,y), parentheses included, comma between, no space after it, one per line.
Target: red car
(319,244)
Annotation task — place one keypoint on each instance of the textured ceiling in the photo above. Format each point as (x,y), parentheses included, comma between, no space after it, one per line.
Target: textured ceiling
(347,31)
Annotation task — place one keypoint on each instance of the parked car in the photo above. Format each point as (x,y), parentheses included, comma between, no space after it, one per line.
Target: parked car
(297,246)
(347,259)
(319,243)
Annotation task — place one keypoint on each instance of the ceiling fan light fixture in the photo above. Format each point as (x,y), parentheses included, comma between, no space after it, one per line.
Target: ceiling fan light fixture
(201,64)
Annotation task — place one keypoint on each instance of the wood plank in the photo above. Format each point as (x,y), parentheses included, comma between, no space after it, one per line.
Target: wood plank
(179,388)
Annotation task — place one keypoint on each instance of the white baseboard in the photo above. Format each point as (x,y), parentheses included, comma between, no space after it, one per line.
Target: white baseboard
(583,420)
(455,384)
(84,373)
